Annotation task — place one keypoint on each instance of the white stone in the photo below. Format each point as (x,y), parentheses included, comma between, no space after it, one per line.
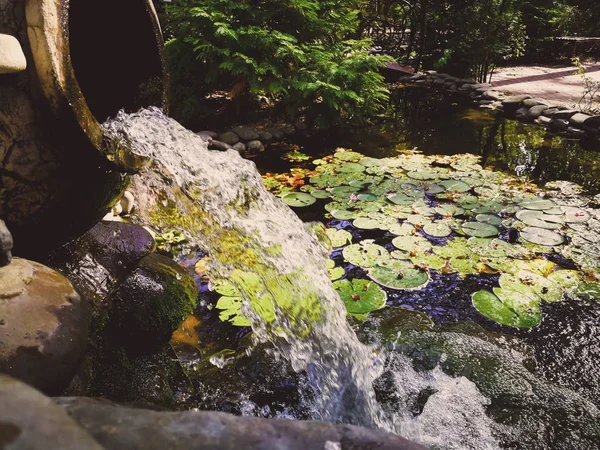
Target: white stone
(12,58)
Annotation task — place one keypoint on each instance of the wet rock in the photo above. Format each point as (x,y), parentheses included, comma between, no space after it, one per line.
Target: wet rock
(562,113)
(255,146)
(12,58)
(208,133)
(245,133)
(301,124)
(30,420)
(151,302)
(229,138)
(288,129)
(6,244)
(530,102)
(278,135)
(493,95)
(522,113)
(543,120)
(219,145)
(43,326)
(576,132)
(240,147)
(439,81)
(536,111)
(559,124)
(97,259)
(486,102)
(514,102)
(592,122)
(117,427)
(265,136)
(577,120)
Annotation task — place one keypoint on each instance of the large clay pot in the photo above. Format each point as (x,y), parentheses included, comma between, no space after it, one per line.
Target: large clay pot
(86,60)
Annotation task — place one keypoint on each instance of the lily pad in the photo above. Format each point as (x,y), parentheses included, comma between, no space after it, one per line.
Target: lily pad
(351,167)
(494,309)
(541,236)
(360,296)
(365,254)
(567,279)
(298,199)
(335,273)
(320,194)
(412,244)
(540,219)
(537,203)
(399,275)
(478,229)
(364,223)
(338,238)
(449,210)
(491,219)
(455,185)
(344,191)
(547,289)
(342,214)
(575,215)
(437,229)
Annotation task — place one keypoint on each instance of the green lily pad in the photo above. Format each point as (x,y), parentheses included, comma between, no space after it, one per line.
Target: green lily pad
(537,203)
(541,236)
(298,199)
(351,167)
(412,244)
(401,199)
(365,254)
(338,238)
(364,223)
(344,191)
(567,279)
(320,194)
(546,289)
(494,309)
(371,162)
(575,215)
(455,185)
(360,296)
(437,229)
(448,210)
(402,229)
(335,273)
(588,291)
(367,197)
(540,219)
(478,229)
(491,219)
(399,275)
(342,214)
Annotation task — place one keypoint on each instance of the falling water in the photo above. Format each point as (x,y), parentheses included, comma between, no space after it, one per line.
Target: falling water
(260,245)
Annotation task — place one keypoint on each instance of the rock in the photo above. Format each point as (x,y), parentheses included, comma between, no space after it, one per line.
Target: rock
(529,102)
(543,120)
(522,113)
(431,72)
(127,202)
(95,261)
(229,138)
(439,81)
(30,420)
(562,113)
(577,120)
(576,132)
(467,81)
(12,58)
(288,129)
(278,135)
(486,102)
(218,145)
(117,427)
(514,102)
(301,124)
(255,146)
(265,136)
(6,244)
(592,122)
(536,111)
(245,133)
(207,133)
(493,95)
(559,124)
(240,147)
(152,301)
(43,326)
(481,87)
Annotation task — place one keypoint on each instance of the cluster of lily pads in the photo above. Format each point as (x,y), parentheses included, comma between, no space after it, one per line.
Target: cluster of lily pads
(449,214)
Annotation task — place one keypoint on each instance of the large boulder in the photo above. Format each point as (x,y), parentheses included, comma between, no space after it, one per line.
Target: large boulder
(151,302)
(117,427)
(6,244)
(29,420)
(246,133)
(229,138)
(95,261)
(43,326)
(12,58)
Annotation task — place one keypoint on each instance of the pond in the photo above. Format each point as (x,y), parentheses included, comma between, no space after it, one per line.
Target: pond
(454,248)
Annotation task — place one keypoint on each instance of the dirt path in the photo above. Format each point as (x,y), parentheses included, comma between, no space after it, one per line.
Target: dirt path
(557,84)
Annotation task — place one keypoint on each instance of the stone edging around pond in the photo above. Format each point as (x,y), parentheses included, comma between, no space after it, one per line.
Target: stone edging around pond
(560,119)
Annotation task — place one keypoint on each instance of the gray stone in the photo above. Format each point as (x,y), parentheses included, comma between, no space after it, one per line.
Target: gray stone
(577,120)
(95,261)
(288,129)
(245,133)
(29,420)
(559,124)
(12,58)
(218,145)
(522,113)
(43,326)
(453,87)
(530,102)
(543,120)
(537,111)
(592,122)
(486,102)
(562,113)
(431,72)
(255,146)
(493,95)
(210,134)
(576,132)
(439,81)
(205,137)
(301,124)
(229,138)
(278,135)
(481,87)
(6,244)
(265,136)
(467,81)
(515,99)
(117,427)
(240,147)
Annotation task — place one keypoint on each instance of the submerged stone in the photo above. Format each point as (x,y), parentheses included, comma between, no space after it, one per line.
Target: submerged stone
(246,133)
(43,326)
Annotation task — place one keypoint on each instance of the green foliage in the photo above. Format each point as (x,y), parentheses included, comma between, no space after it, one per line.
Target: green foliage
(297,52)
